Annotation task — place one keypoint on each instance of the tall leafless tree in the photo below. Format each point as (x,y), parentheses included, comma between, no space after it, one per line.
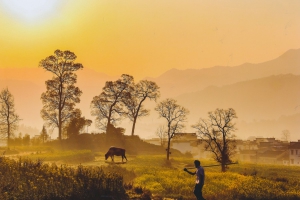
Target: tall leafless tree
(161,132)
(108,107)
(175,116)
(286,135)
(9,119)
(218,134)
(143,90)
(61,96)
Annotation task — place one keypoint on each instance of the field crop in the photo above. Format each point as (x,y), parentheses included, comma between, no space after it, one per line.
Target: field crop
(33,180)
(241,182)
(142,177)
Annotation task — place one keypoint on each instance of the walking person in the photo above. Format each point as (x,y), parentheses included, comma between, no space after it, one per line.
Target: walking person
(200,176)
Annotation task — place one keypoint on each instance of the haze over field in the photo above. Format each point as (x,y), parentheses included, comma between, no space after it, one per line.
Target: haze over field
(206,55)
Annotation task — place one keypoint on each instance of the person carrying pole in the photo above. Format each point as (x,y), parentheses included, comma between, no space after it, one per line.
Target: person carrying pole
(200,176)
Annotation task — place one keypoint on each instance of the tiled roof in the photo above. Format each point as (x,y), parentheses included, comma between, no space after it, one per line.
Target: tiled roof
(294,145)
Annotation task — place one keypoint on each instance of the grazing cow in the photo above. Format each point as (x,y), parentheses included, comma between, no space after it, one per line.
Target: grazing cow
(115,151)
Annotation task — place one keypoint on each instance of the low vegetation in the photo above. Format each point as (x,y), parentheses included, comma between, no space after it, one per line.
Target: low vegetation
(26,179)
(242,181)
(51,173)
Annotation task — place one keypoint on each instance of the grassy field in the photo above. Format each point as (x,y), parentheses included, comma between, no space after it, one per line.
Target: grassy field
(241,181)
(146,176)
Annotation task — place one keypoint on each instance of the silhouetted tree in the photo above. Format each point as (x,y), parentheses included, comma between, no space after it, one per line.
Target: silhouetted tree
(108,107)
(9,119)
(61,95)
(115,132)
(217,133)
(175,116)
(75,124)
(44,135)
(143,90)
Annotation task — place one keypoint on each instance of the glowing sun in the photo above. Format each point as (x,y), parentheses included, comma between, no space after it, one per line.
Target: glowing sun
(30,10)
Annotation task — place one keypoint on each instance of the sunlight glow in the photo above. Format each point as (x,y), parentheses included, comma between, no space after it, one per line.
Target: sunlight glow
(30,10)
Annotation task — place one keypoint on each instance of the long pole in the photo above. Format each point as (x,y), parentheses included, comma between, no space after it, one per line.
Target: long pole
(213,165)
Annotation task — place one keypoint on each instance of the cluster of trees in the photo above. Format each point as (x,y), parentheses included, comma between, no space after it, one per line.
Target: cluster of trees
(26,140)
(119,99)
(123,98)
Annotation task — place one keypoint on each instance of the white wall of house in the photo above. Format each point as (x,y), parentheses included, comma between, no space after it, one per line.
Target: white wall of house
(295,157)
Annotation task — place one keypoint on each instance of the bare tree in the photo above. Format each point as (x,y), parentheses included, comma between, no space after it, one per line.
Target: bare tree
(286,135)
(217,133)
(9,119)
(175,116)
(143,90)
(108,107)
(61,96)
(161,132)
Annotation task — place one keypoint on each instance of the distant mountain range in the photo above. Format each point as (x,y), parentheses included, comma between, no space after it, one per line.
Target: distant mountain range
(176,82)
(257,99)
(262,94)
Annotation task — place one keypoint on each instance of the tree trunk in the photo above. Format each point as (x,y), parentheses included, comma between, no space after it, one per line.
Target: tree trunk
(168,149)
(8,134)
(107,126)
(223,162)
(133,126)
(59,124)
(59,131)
(108,119)
(223,167)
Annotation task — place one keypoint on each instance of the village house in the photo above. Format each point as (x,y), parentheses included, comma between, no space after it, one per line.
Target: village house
(265,150)
(294,153)
(247,155)
(156,141)
(273,157)
(187,142)
(260,150)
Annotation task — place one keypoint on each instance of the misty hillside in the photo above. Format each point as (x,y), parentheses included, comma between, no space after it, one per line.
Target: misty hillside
(264,98)
(175,82)
(27,100)
(270,128)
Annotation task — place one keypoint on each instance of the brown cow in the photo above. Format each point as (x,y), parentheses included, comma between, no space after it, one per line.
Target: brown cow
(115,151)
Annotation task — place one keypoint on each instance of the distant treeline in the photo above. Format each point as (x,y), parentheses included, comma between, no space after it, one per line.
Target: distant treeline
(99,142)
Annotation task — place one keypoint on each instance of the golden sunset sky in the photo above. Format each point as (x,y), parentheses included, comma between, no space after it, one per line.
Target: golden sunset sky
(148,37)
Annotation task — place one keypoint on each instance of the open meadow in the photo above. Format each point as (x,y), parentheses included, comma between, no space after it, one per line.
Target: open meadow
(43,173)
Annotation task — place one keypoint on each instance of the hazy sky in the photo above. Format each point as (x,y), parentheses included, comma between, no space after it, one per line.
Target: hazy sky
(147,37)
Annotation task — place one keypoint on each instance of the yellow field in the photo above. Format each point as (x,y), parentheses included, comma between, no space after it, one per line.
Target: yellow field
(152,175)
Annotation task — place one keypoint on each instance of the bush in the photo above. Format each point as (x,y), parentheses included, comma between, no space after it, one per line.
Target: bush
(26,179)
